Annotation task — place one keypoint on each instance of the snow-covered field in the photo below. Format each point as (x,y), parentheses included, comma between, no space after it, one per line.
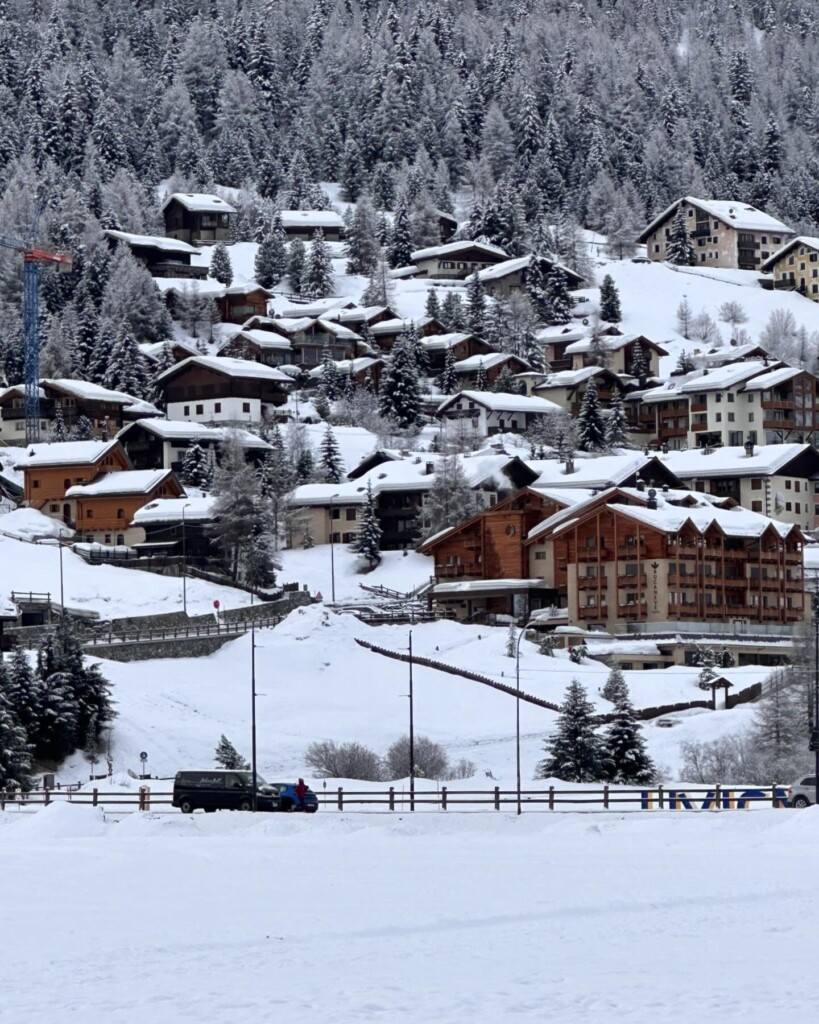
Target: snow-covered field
(443,918)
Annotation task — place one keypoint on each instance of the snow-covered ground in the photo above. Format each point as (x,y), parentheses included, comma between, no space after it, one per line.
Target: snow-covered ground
(445,918)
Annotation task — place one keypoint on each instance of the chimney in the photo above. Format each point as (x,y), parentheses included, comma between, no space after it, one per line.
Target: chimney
(664,448)
(641,485)
(429,469)
(665,489)
(569,465)
(652,498)
(749,449)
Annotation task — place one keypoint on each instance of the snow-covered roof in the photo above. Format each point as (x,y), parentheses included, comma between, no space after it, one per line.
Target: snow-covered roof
(486,586)
(230,368)
(262,339)
(443,342)
(735,522)
(153,349)
(152,241)
(133,481)
(338,330)
(500,402)
(311,219)
(357,315)
(347,366)
(560,332)
(518,263)
(397,326)
(169,510)
(200,202)
(184,430)
(736,214)
(568,378)
(612,343)
(809,241)
(451,248)
(771,379)
(488,360)
(730,354)
(89,392)
(207,287)
(767,460)
(593,472)
(315,308)
(722,376)
(63,453)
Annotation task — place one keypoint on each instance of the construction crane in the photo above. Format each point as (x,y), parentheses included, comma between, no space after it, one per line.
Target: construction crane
(32,258)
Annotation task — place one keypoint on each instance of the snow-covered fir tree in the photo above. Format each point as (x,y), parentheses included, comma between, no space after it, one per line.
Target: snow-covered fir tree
(399,393)
(432,305)
(227,756)
(625,758)
(380,289)
(574,752)
(58,430)
(221,268)
(297,266)
(361,245)
(367,541)
(610,301)
(475,305)
(617,423)
(127,369)
(450,500)
(270,263)
(591,431)
(685,363)
(452,312)
(639,363)
(83,429)
(194,465)
(481,382)
(15,751)
(260,561)
(448,380)
(505,382)
(318,272)
(400,247)
(330,384)
(615,688)
(680,248)
(330,461)
(560,304)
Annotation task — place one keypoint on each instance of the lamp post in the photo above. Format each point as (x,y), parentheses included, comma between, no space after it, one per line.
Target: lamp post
(184,563)
(332,552)
(253,699)
(411,730)
(517,710)
(815,736)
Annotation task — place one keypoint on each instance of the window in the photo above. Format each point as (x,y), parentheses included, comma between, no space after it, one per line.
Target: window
(54,508)
(756,506)
(200,410)
(121,539)
(89,514)
(788,506)
(591,600)
(350,515)
(730,396)
(541,555)
(798,507)
(335,513)
(591,572)
(120,513)
(797,485)
(511,530)
(787,485)
(718,397)
(35,483)
(591,543)
(731,417)
(107,538)
(756,483)
(186,411)
(750,417)
(656,248)
(66,484)
(719,417)
(245,406)
(217,406)
(749,398)
(631,569)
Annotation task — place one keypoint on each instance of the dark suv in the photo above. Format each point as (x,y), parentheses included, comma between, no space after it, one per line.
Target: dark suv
(215,789)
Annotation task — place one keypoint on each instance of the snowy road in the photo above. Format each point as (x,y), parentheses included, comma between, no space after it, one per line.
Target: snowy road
(450,919)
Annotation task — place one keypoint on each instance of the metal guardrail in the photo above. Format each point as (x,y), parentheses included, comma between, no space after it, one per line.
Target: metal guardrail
(181,632)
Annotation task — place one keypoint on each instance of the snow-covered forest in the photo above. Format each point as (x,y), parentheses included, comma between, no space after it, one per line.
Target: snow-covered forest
(518,114)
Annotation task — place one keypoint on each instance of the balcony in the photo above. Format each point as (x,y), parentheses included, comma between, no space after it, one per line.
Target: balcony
(589,555)
(673,431)
(591,582)
(453,572)
(631,581)
(698,428)
(599,612)
(780,425)
(699,407)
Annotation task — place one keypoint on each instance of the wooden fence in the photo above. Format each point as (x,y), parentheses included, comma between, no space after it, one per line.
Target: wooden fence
(603,798)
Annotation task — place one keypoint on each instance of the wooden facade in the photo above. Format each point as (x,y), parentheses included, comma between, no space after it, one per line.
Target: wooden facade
(196,226)
(106,519)
(44,482)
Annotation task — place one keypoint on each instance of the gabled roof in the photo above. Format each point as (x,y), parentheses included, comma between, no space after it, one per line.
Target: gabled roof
(720,377)
(610,343)
(444,342)
(229,367)
(169,510)
(519,263)
(737,215)
(311,219)
(773,377)
(261,339)
(189,430)
(600,471)
(316,307)
(207,287)
(200,202)
(571,378)
(151,241)
(809,241)
(85,390)
(501,402)
(65,453)
(347,366)
(134,481)
(767,460)
(452,248)
(489,360)
(398,326)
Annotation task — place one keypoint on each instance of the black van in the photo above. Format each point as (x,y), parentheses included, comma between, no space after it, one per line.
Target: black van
(216,789)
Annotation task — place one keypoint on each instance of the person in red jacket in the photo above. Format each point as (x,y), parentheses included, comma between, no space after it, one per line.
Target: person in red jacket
(301,789)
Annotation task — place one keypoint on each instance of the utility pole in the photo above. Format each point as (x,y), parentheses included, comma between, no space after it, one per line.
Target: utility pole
(184,562)
(253,698)
(411,731)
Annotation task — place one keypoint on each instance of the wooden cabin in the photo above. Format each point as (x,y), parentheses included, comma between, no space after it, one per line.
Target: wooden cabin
(197,218)
(163,257)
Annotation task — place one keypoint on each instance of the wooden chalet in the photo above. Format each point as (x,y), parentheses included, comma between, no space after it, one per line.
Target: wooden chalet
(304,224)
(461,345)
(197,219)
(491,413)
(617,352)
(492,364)
(104,507)
(387,332)
(235,302)
(457,260)
(163,257)
(162,444)
(566,388)
(213,389)
(509,276)
(260,346)
(170,525)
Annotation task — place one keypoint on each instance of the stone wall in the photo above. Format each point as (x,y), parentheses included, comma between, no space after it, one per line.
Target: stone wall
(146,650)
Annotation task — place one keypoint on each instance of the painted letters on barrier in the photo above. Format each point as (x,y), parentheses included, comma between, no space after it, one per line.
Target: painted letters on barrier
(722,799)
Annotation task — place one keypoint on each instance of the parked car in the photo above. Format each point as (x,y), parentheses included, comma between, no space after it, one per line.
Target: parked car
(215,789)
(289,800)
(803,794)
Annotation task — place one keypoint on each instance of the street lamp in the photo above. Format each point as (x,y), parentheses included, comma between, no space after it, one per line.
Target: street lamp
(411,731)
(253,698)
(184,565)
(517,708)
(332,551)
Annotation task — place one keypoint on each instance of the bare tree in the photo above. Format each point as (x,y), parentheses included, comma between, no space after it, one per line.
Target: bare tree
(430,758)
(332,760)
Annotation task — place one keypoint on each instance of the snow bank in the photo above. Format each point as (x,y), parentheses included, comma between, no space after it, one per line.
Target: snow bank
(29,524)
(61,820)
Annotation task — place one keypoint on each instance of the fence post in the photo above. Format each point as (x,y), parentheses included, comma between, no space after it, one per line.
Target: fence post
(497,798)
(94,796)
(392,798)
(717,796)
(660,796)
(47,799)
(2,799)
(605,798)
(551,798)
(341,798)
(443,798)
(774,801)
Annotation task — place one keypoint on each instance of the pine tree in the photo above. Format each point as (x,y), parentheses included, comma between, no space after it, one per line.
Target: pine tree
(19,686)
(560,303)
(475,305)
(260,556)
(452,312)
(228,757)
(234,511)
(685,318)
(512,641)
(379,290)
(127,370)
(367,541)
(15,751)
(399,394)
(194,465)
(297,266)
(481,380)
(221,269)
(330,459)
(83,429)
(680,249)
(400,248)
(318,276)
(537,291)
(432,306)
(639,362)
(58,430)
(573,753)
(685,364)
(329,385)
(450,500)
(591,434)
(625,758)
(610,301)
(617,424)
(361,245)
(615,688)
(505,382)
(270,257)
(448,381)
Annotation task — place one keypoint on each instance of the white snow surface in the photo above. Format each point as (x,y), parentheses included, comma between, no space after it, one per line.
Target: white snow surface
(29,524)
